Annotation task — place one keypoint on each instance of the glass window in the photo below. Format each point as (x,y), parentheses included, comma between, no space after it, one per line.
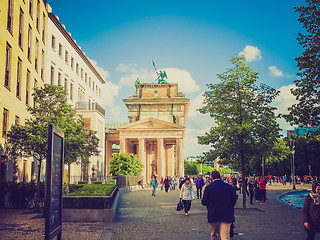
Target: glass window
(52,76)
(20,28)
(9,17)
(8,67)
(18,90)
(28,87)
(29,42)
(5,122)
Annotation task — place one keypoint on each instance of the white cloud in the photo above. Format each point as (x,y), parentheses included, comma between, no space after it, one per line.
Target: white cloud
(110,91)
(184,78)
(115,112)
(103,73)
(251,53)
(275,72)
(283,102)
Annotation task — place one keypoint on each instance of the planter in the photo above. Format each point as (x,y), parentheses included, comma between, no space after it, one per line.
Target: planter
(89,208)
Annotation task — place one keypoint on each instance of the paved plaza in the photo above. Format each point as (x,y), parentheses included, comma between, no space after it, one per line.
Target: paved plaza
(142,216)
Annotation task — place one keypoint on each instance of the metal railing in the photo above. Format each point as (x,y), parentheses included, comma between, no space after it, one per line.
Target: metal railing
(90,106)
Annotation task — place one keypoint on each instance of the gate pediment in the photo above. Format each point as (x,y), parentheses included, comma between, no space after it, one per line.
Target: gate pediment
(151,123)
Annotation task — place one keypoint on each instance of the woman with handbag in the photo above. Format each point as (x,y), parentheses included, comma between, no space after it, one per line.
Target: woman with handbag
(187,195)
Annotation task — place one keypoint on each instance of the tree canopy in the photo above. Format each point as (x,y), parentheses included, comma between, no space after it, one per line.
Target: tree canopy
(307,91)
(125,164)
(51,107)
(245,122)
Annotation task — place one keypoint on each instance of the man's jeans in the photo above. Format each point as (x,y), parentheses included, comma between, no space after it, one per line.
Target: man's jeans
(221,229)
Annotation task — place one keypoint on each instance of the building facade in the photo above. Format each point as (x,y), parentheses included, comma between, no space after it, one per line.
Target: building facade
(155,132)
(35,49)
(68,66)
(23,32)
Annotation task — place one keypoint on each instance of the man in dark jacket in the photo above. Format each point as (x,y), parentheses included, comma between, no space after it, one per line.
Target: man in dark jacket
(220,198)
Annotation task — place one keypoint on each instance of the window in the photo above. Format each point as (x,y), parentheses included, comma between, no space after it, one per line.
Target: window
(17,120)
(53,42)
(8,67)
(59,79)
(89,104)
(60,50)
(89,82)
(28,87)
(5,121)
(72,63)
(36,55)
(9,17)
(81,73)
(77,68)
(18,90)
(52,76)
(66,57)
(99,92)
(35,86)
(66,85)
(29,42)
(31,8)
(38,14)
(43,27)
(71,91)
(42,65)
(86,77)
(20,28)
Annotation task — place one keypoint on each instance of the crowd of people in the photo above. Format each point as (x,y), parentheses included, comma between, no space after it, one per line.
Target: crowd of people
(219,195)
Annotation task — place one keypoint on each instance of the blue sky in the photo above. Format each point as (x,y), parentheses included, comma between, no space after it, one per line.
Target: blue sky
(192,40)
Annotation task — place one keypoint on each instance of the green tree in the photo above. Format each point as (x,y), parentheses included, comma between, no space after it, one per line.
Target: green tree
(243,116)
(190,168)
(51,107)
(307,91)
(307,154)
(125,164)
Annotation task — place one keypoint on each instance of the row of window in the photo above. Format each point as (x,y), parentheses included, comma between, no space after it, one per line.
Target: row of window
(5,121)
(37,49)
(7,78)
(75,66)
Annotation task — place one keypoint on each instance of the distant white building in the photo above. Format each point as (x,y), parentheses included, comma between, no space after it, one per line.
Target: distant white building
(67,66)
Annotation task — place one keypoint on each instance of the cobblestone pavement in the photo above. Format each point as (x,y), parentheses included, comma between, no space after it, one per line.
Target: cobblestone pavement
(24,225)
(144,217)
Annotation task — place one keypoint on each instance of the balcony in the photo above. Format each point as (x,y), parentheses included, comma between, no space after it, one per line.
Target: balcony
(90,106)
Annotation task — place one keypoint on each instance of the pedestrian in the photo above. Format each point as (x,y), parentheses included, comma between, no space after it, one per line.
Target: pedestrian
(166,183)
(256,189)
(154,184)
(262,190)
(199,186)
(311,211)
(182,181)
(162,183)
(219,198)
(251,189)
(187,195)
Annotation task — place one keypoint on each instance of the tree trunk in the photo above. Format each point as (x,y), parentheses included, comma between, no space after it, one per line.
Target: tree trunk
(37,201)
(244,184)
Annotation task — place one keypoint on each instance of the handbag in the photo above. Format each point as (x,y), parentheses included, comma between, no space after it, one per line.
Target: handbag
(179,206)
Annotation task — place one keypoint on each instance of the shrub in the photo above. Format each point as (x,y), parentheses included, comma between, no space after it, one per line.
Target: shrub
(93,190)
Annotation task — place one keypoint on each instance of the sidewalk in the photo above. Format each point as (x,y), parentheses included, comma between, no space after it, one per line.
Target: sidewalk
(144,217)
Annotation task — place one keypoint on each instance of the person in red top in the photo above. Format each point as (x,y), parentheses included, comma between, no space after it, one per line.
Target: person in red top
(263,190)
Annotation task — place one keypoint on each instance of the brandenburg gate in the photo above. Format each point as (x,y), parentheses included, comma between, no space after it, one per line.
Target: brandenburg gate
(155,132)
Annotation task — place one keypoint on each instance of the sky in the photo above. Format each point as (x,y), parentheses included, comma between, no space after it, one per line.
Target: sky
(192,41)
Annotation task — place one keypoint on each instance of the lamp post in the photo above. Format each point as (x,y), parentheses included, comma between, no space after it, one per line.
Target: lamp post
(292,151)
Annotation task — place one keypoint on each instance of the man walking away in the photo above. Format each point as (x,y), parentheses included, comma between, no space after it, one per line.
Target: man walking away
(219,198)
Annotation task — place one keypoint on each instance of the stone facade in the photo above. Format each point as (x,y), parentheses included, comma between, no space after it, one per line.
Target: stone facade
(157,115)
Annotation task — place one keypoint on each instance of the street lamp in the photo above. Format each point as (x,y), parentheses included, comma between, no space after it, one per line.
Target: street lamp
(292,151)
